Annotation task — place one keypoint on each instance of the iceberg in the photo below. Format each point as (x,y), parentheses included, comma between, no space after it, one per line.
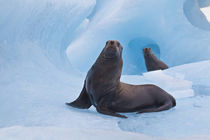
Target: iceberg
(47,46)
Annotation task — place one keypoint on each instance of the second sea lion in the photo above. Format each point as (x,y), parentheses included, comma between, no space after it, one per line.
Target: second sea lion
(152,62)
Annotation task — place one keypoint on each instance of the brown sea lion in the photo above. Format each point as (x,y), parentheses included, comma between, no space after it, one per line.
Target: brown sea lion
(152,62)
(103,89)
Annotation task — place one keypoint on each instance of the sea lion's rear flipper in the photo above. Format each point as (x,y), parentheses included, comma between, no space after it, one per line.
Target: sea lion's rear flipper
(165,106)
(83,101)
(163,66)
(103,108)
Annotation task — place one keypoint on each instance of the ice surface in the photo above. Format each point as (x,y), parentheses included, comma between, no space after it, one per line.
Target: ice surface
(37,77)
(190,116)
(198,73)
(175,85)
(57,133)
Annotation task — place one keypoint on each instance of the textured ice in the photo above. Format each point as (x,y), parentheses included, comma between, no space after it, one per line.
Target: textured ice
(198,73)
(190,116)
(177,36)
(193,13)
(176,85)
(57,133)
(47,46)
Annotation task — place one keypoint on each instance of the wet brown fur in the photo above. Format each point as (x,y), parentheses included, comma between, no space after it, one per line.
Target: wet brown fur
(103,89)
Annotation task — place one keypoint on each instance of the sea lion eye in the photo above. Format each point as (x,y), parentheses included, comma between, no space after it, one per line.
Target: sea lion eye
(118,44)
(107,42)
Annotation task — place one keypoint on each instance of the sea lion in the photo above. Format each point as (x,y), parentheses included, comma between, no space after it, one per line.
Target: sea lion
(103,89)
(152,62)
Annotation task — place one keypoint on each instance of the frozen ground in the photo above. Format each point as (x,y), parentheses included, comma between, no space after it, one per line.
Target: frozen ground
(46,48)
(38,105)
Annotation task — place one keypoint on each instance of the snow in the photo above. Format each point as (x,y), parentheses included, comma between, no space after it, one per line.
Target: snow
(206,12)
(56,133)
(46,48)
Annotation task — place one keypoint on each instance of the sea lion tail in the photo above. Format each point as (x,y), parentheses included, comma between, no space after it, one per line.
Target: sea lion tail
(83,101)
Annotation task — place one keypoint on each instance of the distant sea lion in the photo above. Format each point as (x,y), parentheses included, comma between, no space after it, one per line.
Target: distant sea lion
(103,89)
(152,62)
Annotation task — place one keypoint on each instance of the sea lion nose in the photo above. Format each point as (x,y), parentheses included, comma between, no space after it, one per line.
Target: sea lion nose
(112,47)
(111,42)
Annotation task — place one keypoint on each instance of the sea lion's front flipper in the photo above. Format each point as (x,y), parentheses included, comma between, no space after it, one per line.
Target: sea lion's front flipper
(103,108)
(83,101)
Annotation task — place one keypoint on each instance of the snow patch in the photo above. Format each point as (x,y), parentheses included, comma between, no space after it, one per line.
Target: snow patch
(206,12)
(59,133)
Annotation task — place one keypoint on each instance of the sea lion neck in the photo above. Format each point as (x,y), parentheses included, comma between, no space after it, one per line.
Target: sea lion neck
(113,68)
(149,55)
(109,64)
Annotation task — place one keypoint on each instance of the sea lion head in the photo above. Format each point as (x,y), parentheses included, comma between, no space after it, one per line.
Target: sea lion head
(113,49)
(147,51)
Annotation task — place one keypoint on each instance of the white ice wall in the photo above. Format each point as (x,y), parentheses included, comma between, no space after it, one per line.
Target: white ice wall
(46,25)
(163,24)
